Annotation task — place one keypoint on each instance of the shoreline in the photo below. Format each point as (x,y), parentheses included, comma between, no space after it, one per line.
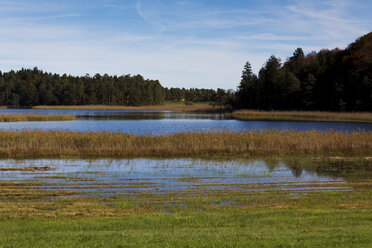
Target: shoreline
(244,115)
(305,116)
(35,117)
(196,108)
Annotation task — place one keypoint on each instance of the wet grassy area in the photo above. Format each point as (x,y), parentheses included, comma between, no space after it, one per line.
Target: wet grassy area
(276,202)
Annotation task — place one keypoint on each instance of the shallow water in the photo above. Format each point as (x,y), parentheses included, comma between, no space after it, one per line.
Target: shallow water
(162,122)
(109,177)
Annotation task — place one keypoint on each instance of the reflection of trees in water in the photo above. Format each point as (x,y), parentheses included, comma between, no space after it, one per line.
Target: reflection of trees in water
(358,169)
(296,171)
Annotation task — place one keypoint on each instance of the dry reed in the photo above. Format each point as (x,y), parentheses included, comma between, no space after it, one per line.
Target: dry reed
(35,117)
(106,144)
(302,116)
(170,107)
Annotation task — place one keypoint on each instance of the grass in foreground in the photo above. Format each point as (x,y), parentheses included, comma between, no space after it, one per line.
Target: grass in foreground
(105,144)
(302,116)
(272,218)
(34,117)
(261,216)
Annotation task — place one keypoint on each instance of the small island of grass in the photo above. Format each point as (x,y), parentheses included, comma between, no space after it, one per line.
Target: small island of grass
(35,117)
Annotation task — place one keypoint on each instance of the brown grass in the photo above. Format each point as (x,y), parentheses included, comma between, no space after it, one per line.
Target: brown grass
(35,117)
(302,116)
(31,168)
(106,144)
(170,107)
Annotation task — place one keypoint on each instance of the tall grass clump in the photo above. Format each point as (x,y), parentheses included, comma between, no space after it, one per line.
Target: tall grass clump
(35,117)
(302,116)
(39,143)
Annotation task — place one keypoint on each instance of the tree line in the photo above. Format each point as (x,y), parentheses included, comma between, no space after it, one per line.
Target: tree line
(34,87)
(328,80)
(332,80)
(217,97)
(28,87)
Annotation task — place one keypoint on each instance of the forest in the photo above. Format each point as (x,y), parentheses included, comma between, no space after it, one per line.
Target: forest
(328,80)
(35,87)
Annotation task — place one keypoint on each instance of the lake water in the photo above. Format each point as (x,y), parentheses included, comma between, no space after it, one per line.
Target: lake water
(108,177)
(162,122)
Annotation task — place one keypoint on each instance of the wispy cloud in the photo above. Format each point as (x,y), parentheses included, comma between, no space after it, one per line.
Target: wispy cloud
(184,43)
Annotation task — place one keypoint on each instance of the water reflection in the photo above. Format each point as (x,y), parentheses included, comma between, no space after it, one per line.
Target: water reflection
(128,176)
(162,122)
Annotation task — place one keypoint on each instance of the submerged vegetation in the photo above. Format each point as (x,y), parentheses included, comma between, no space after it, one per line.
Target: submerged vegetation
(264,142)
(37,213)
(35,117)
(302,116)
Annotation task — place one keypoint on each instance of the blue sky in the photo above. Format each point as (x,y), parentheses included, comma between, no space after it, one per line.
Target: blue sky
(184,43)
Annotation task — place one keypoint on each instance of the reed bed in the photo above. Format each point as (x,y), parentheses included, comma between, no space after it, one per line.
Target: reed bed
(39,143)
(302,116)
(35,117)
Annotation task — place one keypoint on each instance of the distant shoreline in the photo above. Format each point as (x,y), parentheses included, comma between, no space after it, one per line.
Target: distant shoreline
(316,116)
(198,107)
(245,115)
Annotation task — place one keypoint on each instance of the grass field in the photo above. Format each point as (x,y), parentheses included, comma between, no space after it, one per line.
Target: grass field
(39,143)
(35,117)
(301,116)
(271,218)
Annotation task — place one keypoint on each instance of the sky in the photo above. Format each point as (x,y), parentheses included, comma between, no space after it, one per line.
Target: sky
(182,43)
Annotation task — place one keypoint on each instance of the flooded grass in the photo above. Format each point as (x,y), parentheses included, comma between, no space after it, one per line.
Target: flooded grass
(302,116)
(281,202)
(37,143)
(180,219)
(35,117)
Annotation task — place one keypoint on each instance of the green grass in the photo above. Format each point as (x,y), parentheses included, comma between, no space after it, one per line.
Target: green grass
(266,228)
(272,219)
(194,217)
(174,103)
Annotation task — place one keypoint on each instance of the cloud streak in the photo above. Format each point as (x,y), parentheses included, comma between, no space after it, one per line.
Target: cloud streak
(184,43)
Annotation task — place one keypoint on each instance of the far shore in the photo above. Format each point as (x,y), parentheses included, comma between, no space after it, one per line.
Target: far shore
(365,117)
(244,114)
(197,107)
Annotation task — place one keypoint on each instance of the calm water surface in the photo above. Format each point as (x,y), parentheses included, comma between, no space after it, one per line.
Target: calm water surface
(106,177)
(162,122)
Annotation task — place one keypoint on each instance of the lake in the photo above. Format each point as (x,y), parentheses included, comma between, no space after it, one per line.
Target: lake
(162,122)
